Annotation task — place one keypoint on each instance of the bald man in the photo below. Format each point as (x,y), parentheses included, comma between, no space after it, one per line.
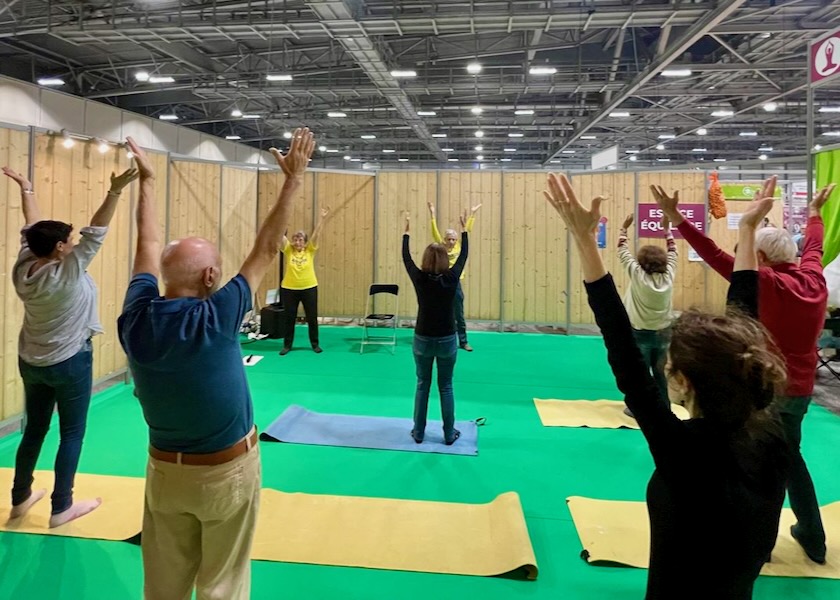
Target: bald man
(203,473)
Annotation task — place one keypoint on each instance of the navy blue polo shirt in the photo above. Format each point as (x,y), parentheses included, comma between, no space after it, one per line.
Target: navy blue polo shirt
(186,361)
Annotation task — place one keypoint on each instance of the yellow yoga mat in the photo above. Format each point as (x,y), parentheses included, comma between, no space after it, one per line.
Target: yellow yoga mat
(598,414)
(118,518)
(615,532)
(400,535)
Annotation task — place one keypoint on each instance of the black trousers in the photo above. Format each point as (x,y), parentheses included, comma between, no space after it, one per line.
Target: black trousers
(291,299)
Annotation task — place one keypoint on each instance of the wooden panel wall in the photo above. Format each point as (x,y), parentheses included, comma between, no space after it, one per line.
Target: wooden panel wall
(14,153)
(344,263)
(459,192)
(238,218)
(194,200)
(71,185)
(269,184)
(398,193)
(533,253)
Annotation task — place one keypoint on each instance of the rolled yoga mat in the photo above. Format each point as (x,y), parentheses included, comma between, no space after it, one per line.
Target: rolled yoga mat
(618,533)
(300,426)
(597,414)
(118,518)
(399,535)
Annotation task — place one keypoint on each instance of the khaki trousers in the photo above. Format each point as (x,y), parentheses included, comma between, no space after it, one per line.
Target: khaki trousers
(198,526)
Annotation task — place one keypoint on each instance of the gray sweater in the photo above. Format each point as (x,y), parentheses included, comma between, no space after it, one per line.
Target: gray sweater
(59,301)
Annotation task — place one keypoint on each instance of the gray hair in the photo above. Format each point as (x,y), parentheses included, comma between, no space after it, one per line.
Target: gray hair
(776,244)
(449,232)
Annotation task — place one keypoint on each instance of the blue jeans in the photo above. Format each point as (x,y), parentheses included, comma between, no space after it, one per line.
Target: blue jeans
(68,385)
(426,350)
(460,321)
(654,348)
(800,488)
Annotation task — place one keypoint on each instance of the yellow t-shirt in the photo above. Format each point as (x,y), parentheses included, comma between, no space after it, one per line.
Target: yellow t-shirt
(455,252)
(299,273)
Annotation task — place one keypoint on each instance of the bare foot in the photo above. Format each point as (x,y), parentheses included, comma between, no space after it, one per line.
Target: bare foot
(79,509)
(23,508)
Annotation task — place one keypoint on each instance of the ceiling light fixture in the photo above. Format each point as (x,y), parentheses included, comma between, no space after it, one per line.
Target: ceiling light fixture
(542,70)
(567,152)
(829,109)
(523,112)
(588,137)
(723,113)
(505,159)
(103,147)
(438,135)
(279,77)
(332,150)
(832,133)
(699,150)
(453,160)
(510,149)
(770,107)
(426,113)
(631,151)
(720,160)
(233,137)
(322,148)
(402,74)
(402,159)
(766,149)
(447,149)
(346,157)
(336,114)
(168,117)
(141,76)
(68,142)
(287,135)
(516,135)
(660,146)
(388,151)
(620,114)
(161,79)
(663,160)
(676,73)
(748,134)
(479,148)
(479,134)
(479,157)
(251,116)
(476,110)
(634,158)
(817,147)
(667,136)
(50,81)
(702,131)
(369,136)
(236,113)
(474,68)
(762,157)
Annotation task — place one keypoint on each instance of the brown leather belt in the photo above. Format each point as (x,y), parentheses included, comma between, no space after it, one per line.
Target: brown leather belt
(208,460)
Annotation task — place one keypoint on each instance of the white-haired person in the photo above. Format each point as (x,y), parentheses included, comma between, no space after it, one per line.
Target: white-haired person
(792,305)
(451,241)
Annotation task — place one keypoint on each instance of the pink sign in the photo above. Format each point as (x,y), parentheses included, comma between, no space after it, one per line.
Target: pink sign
(650,217)
(825,57)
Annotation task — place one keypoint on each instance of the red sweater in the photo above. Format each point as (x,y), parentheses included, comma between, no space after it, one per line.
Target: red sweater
(792,300)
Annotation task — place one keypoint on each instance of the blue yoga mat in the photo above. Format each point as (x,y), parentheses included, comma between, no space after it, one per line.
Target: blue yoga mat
(300,426)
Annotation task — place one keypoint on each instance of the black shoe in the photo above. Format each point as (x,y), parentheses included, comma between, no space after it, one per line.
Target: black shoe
(629,413)
(317,349)
(418,440)
(815,554)
(455,435)
(284,351)
(467,347)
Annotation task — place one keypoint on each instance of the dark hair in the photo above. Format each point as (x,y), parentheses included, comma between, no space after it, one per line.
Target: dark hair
(732,364)
(652,259)
(43,236)
(435,259)
(303,233)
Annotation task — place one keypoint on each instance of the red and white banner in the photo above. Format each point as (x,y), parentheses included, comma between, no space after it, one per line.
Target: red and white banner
(825,57)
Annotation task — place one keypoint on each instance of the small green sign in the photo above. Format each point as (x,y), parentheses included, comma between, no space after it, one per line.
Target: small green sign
(744,190)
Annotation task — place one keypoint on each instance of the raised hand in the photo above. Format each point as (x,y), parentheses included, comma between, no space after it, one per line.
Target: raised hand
(761,205)
(407,221)
(582,223)
(463,219)
(431,208)
(118,182)
(20,179)
(627,222)
(667,203)
(475,208)
(324,212)
(144,165)
(296,160)
(821,197)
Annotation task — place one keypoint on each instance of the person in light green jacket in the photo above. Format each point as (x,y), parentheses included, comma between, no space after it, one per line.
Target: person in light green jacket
(452,243)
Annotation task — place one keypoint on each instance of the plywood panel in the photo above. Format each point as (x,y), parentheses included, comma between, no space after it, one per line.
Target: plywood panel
(71,185)
(239,217)
(620,191)
(459,192)
(533,253)
(14,152)
(269,184)
(195,198)
(344,263)
(398,193)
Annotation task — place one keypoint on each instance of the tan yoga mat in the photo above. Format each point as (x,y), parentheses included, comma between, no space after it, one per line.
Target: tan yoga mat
(597,414)
(118,518)
(615,532)
(400,535)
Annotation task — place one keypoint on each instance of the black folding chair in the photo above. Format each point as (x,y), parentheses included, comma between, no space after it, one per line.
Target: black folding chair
(375,320)
(832,324)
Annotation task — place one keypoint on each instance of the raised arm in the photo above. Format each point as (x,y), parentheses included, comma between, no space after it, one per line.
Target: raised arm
(716,258)
(267,244)
(625,257)
(31,213)
(471,218)
(102,217)
(461,261)
(147,256)
(436,236)
(412,269)
(313,240)
(812,248)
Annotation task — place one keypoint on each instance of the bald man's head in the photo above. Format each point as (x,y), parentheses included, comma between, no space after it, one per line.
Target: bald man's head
(191,267)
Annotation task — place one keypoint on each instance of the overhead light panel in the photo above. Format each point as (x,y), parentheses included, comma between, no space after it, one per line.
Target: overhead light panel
(332,150)
(168,117)
(50,81)
(510,149)
(634,158)
(663,160)
(369,136)
(554,162)
(287,135)
(567,152)
(748,134)
(251,116)
(142,76)
(236,113)
(720,160)
(402,159)
(770,107)
(505,159)
(438,135)
(588,137)
(667,136)
(453,160)
(817,147)
(233,137)
(479,157)
(68,142)
(542,70)
(660,146)
(723,113)
(447,149)
(479,148)
(702,131)
(676,73)
(103,147)
(346,157)
(523,112)
(336,115)
(619,114)
(278,77)
(631,151)
(388,151)
(476,110)
(355,160)
(479,134)
(699,150)
(474,68)
(516,135)
(161,79)
(829,109)
(403,73)
(766,149)
(832,133)
(426,113)
(322,148)
(762,157)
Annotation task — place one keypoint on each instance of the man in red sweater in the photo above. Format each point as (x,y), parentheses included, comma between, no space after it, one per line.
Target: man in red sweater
(792,304)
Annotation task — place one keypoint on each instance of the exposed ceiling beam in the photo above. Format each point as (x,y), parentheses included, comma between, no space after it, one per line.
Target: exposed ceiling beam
(692,35)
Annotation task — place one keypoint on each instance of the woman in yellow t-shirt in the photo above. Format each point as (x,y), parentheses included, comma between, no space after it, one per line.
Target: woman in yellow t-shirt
(300,284)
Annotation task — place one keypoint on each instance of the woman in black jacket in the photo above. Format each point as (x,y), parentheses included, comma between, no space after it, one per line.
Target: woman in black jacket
(716,495)
(435,337)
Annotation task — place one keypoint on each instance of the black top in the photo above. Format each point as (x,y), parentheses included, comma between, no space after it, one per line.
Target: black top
(715,497)
(435,293)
